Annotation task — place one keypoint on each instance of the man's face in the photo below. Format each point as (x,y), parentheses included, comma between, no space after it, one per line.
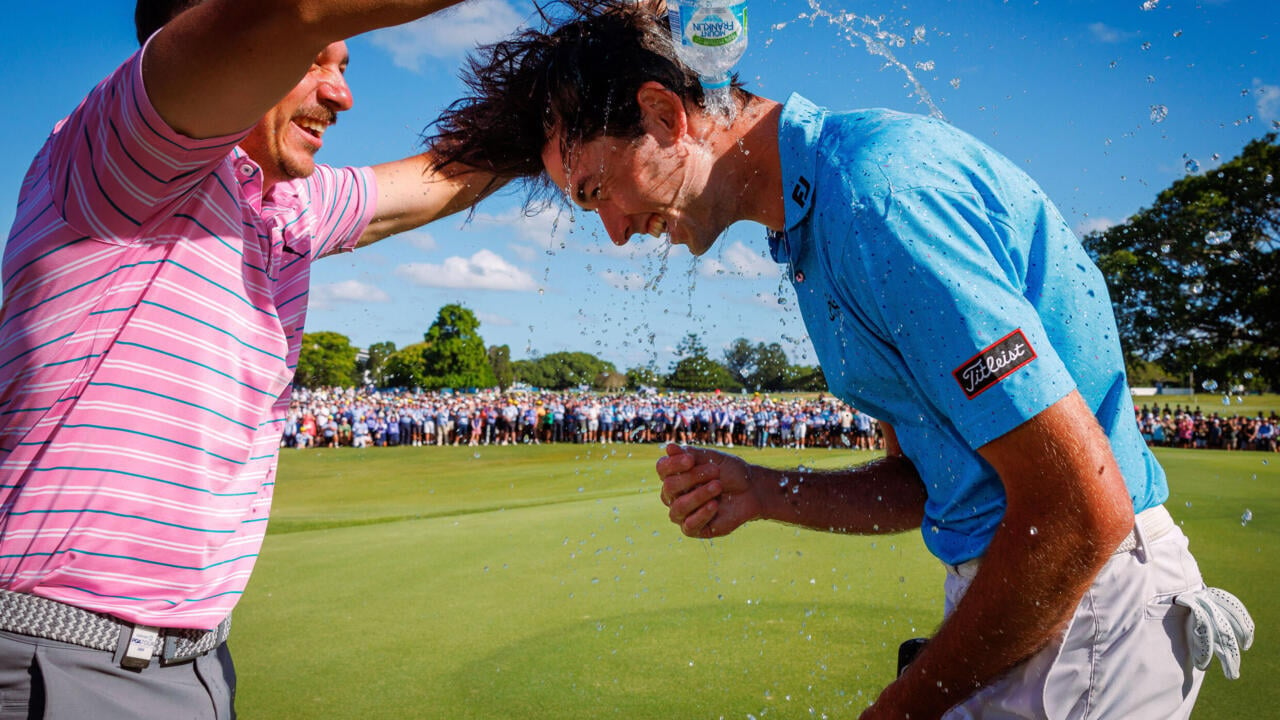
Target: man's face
(285,141)
(638,187)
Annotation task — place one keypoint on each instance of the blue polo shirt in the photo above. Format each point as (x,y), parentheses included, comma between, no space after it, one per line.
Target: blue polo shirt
(945,295)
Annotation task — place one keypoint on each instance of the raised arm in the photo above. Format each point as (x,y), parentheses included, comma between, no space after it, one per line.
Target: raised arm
(215,69)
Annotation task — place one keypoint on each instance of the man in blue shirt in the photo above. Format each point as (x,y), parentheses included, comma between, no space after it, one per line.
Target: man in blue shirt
(946,297)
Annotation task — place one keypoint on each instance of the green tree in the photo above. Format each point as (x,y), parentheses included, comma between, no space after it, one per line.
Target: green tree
(740,360)
(500,363)
(806,378)
(694,370)
(562,370)
(376,357)
(645,376)
(758,367)
(455,356)
(405,368)
(326,358)
(772,368)
(1194,277)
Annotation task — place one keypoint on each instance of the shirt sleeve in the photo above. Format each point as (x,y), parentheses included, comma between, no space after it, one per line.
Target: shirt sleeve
(950,298)
(342,202)
(115,163)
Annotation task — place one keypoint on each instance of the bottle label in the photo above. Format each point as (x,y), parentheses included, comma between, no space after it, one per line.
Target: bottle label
(710,26)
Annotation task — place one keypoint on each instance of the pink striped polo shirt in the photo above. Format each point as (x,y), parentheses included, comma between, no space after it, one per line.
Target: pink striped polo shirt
(153,313)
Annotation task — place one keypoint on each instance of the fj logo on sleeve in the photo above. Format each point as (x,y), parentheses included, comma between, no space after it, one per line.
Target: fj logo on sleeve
(994,364)
(800,192)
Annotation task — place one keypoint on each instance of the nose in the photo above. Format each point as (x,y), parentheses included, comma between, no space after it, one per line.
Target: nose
(615,223)
(334,92)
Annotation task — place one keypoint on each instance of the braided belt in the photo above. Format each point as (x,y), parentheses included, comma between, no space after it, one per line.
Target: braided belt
(52,620)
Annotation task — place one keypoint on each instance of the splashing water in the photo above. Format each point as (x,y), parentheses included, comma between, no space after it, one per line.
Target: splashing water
(877,41)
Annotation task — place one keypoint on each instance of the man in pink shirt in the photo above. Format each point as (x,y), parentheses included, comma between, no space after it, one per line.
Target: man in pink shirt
(155,289)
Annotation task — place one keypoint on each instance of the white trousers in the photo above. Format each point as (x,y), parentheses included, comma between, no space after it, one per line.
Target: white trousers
(1124,655)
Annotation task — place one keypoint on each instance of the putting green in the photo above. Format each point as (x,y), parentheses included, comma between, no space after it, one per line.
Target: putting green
(546,582)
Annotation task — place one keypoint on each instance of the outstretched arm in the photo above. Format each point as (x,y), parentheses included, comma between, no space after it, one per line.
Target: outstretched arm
(412,193)
(710,493)
(218,67)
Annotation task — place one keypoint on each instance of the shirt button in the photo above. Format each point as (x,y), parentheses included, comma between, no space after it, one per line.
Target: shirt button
(799,276)
(246,170)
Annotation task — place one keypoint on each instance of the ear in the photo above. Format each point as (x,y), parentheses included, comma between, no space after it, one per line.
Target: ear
(662,112)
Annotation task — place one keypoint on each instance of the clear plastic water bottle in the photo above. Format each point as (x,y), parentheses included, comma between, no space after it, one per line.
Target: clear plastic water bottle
(710,37)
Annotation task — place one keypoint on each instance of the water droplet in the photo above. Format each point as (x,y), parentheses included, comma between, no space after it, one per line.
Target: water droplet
(1159,113)
(1217,237)
(1246,517)
(1248,376)
(1209,385)
(1034,531)
(1146,46)
(1196,288)
(1165,248)
(1193,166)
(1150,5)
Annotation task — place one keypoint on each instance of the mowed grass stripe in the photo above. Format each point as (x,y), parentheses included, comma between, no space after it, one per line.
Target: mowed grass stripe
(547,582)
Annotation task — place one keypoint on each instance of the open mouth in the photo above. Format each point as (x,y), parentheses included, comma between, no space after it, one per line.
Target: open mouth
(312,127)
(657,226)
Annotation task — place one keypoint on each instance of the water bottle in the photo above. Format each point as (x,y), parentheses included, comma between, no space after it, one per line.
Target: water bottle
(710,37)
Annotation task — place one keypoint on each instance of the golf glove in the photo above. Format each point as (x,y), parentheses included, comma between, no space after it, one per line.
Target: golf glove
(1218,625)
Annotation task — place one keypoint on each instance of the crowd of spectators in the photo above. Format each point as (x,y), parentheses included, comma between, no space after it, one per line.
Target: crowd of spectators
(1192,428)
(349,417)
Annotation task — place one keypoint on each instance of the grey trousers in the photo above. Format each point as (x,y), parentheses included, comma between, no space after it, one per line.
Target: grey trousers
(56,681)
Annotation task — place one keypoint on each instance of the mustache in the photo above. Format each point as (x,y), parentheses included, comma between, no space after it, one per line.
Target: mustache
(317,113)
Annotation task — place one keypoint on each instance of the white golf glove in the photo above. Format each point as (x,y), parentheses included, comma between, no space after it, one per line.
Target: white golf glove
(1218,625)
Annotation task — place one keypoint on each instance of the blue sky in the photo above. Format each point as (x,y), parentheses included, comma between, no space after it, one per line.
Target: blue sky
(1105,103)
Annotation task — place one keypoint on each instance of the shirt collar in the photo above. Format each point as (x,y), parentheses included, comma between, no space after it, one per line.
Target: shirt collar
(799,130)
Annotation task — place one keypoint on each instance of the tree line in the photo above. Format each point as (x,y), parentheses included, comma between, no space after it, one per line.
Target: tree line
(453,355)
(1193,279)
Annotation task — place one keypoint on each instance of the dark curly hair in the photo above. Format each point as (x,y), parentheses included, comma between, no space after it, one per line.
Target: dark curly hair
(575,78)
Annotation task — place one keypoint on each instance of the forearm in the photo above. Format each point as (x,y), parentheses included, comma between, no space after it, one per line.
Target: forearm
(884,496)
(1026,590)
(411,193)
(1067,510)
(215,69)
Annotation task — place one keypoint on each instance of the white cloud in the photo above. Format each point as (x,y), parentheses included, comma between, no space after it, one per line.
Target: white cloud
(740,261)
(1094,224)
(486,270)
(1103,32)
(348,291)
(448,33)
(1268,100)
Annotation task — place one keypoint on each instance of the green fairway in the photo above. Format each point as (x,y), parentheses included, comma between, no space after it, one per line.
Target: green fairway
(546,582)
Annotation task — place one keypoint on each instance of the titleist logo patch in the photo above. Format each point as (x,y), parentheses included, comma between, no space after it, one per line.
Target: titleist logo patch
(994,364)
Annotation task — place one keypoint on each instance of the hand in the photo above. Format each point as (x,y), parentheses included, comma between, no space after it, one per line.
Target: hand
(709,493)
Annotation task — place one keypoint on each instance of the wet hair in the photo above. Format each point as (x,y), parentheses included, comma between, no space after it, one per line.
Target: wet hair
(151,15)
(576,78)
